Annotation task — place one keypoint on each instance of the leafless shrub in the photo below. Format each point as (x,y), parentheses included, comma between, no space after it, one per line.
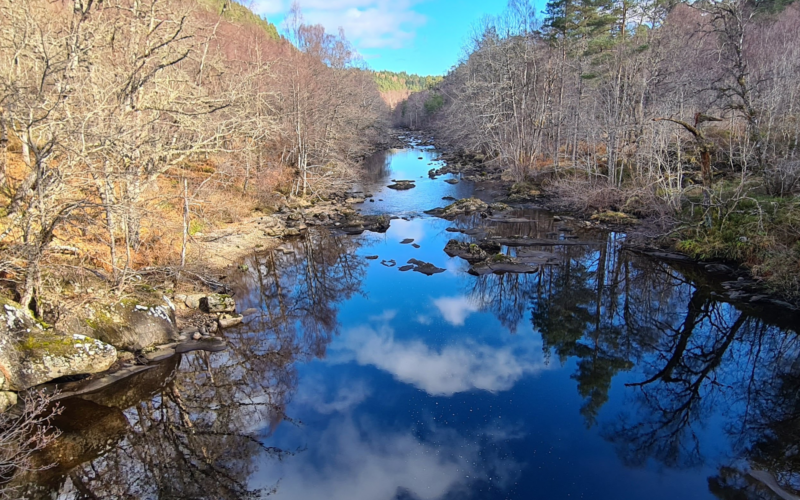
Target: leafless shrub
(24,430)
(782,178)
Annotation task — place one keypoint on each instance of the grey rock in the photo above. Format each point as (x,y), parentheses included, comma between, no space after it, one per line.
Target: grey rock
(31,355)
(130,326)
(402,185)
(425,268)
(230,320)
(192,301)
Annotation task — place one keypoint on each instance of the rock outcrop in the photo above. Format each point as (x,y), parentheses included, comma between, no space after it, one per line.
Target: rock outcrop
(128,325)
(31,355)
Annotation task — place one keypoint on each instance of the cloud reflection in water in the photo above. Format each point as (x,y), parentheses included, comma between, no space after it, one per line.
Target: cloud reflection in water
(454,368)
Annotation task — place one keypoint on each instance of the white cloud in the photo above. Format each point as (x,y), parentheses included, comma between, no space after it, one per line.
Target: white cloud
(452,369)
(456,310)
(368,24)
(423,319)
(315,394)
(355,460)
(385,316)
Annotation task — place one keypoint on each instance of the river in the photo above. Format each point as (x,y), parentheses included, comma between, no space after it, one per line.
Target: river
(605,376)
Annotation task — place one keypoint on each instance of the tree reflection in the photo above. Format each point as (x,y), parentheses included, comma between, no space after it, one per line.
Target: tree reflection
(196,427)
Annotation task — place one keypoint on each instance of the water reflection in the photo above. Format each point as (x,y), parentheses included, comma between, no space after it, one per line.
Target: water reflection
(606,375)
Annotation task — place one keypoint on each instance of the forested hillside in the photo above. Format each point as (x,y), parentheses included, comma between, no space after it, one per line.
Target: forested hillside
(128,126)
(396,87)
(686,112)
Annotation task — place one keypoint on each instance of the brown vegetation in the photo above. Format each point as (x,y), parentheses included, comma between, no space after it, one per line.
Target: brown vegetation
(126,127)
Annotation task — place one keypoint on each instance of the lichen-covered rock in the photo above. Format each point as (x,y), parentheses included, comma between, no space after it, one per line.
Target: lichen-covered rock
(217,303)
(7,400)
(129,325)
(31,355)
(465,206)
(467,251)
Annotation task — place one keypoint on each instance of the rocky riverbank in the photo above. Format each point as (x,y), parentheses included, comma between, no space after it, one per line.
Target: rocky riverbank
(107,338)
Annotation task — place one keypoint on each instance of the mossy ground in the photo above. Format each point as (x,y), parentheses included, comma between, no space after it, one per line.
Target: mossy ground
(760,232)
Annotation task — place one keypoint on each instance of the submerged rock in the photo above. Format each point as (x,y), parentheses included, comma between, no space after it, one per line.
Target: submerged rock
(501,264)
(407,241)
(452,181)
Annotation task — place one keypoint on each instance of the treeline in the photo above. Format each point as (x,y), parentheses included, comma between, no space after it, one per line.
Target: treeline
(390,80)
(685,111)
(126,126)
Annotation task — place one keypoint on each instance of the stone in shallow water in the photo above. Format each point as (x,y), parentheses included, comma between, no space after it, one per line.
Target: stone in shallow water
(372,257)
(407,241)
(402,185)
(406,268)
(425,268)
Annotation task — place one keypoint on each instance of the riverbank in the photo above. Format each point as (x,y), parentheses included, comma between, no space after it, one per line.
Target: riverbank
(753,257)
(391,338)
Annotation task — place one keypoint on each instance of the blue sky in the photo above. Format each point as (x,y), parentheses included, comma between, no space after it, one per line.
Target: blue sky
(419,36)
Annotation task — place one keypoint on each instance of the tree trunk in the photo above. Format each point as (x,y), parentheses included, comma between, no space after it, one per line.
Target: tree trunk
(3,148)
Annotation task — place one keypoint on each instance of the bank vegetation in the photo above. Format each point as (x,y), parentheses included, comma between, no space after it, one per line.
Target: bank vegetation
(687,113)
(128,127)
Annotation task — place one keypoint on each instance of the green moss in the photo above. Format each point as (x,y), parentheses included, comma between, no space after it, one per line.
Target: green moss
(51,344)
(500,258)
(758,231)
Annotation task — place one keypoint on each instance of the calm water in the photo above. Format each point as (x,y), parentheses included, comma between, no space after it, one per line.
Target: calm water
(608,376)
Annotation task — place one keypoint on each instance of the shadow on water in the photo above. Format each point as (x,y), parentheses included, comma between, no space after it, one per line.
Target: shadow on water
(608,375)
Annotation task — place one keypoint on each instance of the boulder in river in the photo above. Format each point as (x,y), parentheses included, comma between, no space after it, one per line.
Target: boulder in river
(470,252)
(460,207)
(425,268)
(31,355)
(402,185)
